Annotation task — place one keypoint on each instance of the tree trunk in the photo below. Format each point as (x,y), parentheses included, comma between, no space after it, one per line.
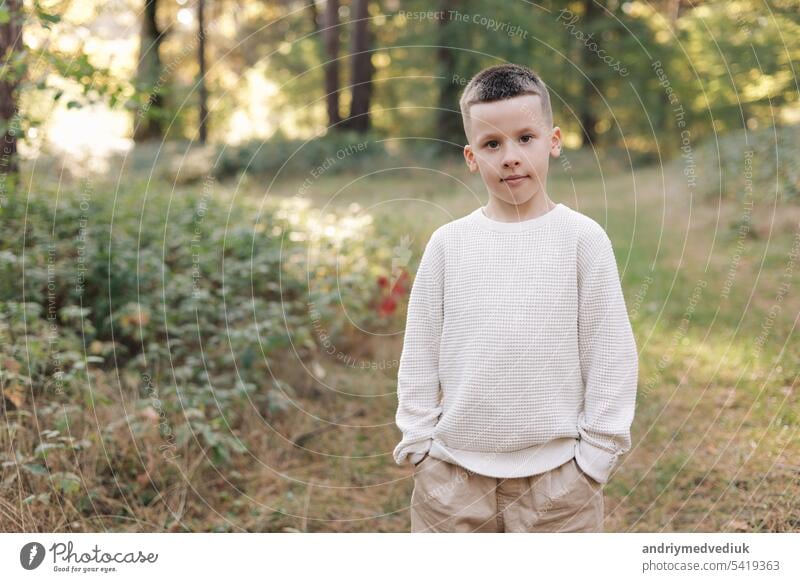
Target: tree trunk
(10,46)
(588,117)
(673,11)
(331,40)
(201,59)
(450,128)
(362,69)
(148,77)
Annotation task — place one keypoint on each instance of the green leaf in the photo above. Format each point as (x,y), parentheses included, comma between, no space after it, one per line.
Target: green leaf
(43,497)
(41,450)
(35,469)
(46,17)
(67,482)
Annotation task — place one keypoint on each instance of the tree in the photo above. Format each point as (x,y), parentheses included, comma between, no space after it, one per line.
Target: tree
(330,37)
(362,70)
(201,59)
(149,80)
(449,120)
(592,14)
(25,68)
(11,19)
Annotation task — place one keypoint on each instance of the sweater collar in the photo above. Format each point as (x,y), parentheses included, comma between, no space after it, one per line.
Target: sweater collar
(484,221)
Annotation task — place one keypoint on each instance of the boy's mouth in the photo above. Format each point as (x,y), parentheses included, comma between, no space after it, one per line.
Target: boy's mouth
(514,178)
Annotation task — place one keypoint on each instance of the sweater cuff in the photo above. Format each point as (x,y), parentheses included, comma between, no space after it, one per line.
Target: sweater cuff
(414,453)
(596,462)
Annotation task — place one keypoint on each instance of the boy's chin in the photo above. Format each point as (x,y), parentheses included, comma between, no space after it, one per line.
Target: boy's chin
(514,199)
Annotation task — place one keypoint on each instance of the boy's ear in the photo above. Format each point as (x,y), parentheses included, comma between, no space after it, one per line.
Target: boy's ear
(469,156)
(555,142)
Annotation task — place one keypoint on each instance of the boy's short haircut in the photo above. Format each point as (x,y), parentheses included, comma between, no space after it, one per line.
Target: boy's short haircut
(503,82)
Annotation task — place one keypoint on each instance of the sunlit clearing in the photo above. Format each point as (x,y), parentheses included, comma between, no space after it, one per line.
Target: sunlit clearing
(91,134)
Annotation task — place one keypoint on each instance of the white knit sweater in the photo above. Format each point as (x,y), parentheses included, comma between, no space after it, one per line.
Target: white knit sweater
(518,350)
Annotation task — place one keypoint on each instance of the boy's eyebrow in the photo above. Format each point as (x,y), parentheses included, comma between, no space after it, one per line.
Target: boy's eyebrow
(494,134)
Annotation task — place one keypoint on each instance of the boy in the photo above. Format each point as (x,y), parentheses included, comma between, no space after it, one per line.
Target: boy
(517,380)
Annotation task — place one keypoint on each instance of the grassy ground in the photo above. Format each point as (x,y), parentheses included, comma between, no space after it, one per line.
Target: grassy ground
(715,434)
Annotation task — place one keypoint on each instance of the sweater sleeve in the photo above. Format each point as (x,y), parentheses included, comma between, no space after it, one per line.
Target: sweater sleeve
(608,358)
(418,390)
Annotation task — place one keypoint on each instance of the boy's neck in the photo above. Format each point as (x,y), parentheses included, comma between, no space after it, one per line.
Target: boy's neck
(501,211)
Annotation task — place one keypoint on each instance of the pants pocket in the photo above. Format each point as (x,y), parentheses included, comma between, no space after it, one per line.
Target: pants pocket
(567,501)
(586,477)
(447,499)
(421,462)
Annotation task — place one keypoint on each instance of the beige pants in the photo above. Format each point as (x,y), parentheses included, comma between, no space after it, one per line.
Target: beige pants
(449,498)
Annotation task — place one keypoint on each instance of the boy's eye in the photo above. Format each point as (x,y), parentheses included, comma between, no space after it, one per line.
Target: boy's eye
(493,143)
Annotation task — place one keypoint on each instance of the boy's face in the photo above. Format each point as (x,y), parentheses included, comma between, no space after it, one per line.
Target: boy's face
(508,138)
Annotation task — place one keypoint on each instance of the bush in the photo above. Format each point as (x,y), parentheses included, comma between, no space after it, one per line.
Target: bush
(203,298)
(761,164)
(334,153)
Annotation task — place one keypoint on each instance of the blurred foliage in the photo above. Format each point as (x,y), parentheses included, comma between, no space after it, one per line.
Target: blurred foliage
(38,67)
(728,65)
(752,166)
(202,299)
(334,153)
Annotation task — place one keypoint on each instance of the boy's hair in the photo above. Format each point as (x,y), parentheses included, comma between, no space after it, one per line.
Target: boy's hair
(503,82)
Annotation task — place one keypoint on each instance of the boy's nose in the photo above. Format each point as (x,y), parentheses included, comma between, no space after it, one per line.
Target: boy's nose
(512,158)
